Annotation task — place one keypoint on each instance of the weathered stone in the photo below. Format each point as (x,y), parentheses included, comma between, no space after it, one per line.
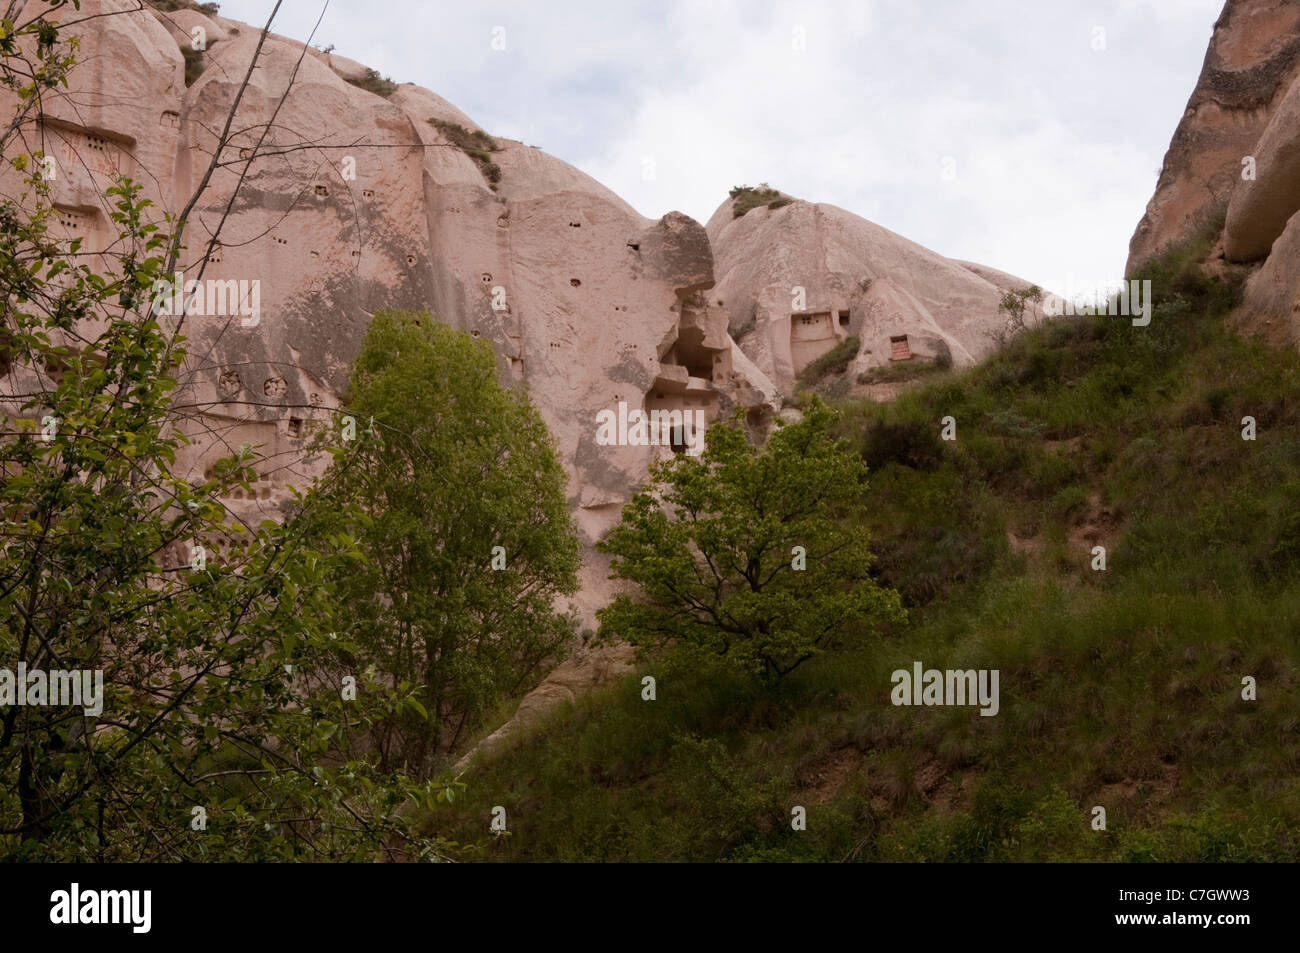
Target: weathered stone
(1259,208)
(798,279)
(1253,58)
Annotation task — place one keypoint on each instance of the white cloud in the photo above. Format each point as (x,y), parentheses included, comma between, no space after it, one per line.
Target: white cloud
(1056,143)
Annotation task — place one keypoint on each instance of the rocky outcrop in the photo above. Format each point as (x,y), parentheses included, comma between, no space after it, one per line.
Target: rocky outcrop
(335,202)
(1252,60)
(340,194)
(797,279)
(1237,152)
(1260,207)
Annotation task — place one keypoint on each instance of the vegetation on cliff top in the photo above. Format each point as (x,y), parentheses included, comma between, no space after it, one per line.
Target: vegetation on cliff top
(746,198)
(476,144)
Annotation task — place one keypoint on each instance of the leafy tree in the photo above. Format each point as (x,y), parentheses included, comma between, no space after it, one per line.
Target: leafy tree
(717,550)
(1013,304)
(469,538)
(223,731)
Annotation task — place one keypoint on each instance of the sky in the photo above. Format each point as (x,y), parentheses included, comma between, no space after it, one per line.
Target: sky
(1022,134)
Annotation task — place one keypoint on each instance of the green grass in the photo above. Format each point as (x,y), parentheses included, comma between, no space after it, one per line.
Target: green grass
(171,6)
(195,63)
(1119,688)
(834,361)
(476,144)
(372,82)
(906,370)
(748,198)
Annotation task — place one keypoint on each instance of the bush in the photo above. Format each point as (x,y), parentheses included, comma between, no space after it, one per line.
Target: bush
(906,370)
(194,63)
(748,198)
(372,82)
(910,443)
(171,6)
(834,361)
(476,144)
(745,326)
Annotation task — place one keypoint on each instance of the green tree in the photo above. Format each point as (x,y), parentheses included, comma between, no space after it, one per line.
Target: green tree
(222,731)
(756,555)
(1013,304)
(469,538)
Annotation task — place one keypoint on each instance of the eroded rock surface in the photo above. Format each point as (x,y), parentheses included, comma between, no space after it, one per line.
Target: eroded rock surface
(334,201)
(1252,60)
(797,280)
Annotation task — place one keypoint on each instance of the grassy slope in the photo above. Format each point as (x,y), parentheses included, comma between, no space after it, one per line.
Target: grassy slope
(1118,688)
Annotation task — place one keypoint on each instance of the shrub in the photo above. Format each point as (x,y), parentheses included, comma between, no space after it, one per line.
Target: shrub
(910,443)
(905,370)
(746,326)
(372,82)
(834,361)
(747,198)
(171,6)
(194,63)
(476,144)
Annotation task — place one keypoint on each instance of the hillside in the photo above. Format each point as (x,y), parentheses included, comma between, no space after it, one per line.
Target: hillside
(1119,688)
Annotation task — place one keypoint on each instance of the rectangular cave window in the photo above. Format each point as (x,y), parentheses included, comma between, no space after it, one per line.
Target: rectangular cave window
(844,319)
(899,350)
(295,427)
(677,439)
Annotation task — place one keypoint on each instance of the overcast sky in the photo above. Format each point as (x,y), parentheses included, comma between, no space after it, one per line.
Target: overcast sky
(1050,117)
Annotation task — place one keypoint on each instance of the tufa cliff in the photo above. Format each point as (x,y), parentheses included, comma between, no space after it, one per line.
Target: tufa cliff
(1232,172)
(340,193)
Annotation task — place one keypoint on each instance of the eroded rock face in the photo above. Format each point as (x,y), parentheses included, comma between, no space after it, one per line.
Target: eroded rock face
(1252,60)
(333,202)
(350,202)
(797,280)
(1246,106)
(1260,207)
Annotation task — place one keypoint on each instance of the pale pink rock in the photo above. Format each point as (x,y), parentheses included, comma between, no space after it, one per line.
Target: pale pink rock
(1260,208)
(1253,58)
(798,279)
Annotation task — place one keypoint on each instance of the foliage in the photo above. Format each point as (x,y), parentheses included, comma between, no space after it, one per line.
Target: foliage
(715,550)
(1013,304)
(907,370)
(453,466)
(372,82)
(748,197)
(834,361)
(476,144)
(1120,688)
(195,62)
(224,733)
(171,6)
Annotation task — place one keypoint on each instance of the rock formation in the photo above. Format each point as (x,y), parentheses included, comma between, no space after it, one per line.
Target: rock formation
(1252,60)
(346,202)
(341,193)
(1232,172)
(798,278)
